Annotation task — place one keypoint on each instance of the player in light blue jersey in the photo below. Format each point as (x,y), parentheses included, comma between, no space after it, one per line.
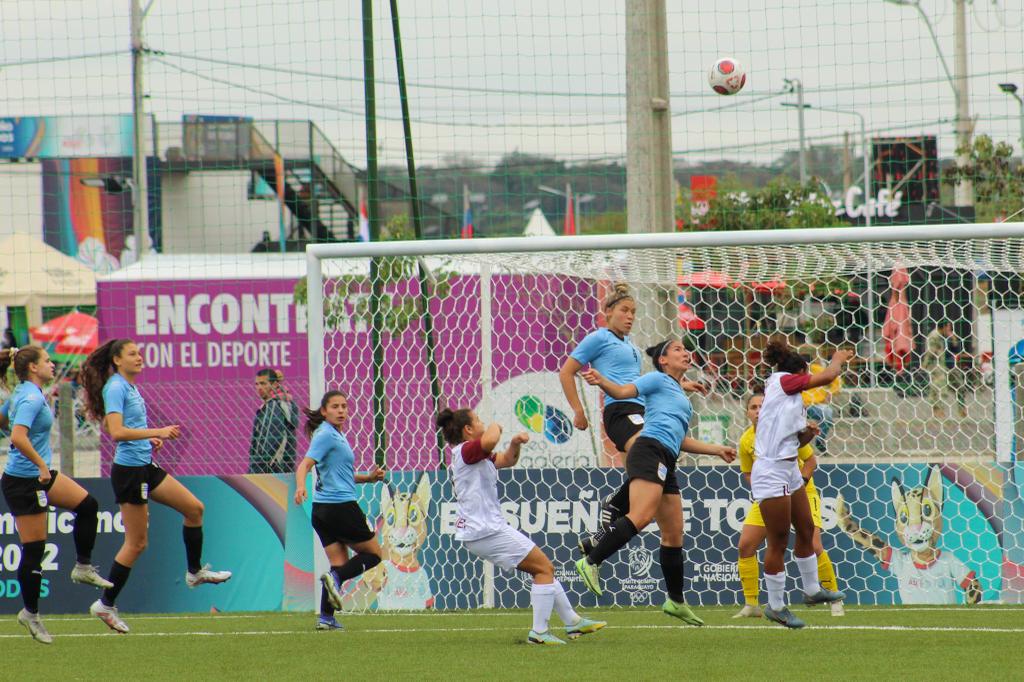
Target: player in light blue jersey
(109,375)
(337,518)
(651,471)
(610,351)
(30,486)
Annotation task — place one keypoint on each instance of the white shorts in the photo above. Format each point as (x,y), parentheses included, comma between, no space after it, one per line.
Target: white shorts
(770,479)
(505,548)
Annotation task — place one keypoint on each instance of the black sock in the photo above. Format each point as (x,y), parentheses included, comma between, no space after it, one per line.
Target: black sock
(671,559)
(30,574)
(620,534)
(193,536)
(620,500)
(355,566)
(326,609)
(84,530)
(119,576)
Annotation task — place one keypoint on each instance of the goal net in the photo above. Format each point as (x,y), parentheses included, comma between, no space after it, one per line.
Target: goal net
(918,466)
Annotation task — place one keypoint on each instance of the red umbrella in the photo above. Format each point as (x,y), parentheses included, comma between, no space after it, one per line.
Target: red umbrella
(688,319)
(79,344)
(896,330)
(708,278)
(75,323)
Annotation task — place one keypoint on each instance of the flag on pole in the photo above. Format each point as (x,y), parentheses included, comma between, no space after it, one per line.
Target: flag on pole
(570,217)
(364,219)
(467,214)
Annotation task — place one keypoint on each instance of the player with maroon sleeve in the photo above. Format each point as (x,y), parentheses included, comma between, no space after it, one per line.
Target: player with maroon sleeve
(775,480)
(482,527)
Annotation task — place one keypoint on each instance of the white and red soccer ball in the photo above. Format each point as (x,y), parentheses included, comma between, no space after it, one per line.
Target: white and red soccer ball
(727,76)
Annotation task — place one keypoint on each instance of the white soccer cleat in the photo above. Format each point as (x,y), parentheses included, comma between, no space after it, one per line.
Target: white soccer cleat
(837,609)
(333,595)
(108,614)
(205,575)
(35,627)
(749,611)
(87,574)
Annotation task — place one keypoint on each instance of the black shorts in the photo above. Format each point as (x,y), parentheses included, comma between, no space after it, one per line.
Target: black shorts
(619,424)
(133,485)
(649,460)
(342,522)
(26,496)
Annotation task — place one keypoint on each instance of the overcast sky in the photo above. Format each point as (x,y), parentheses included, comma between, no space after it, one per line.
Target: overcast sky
(539,76)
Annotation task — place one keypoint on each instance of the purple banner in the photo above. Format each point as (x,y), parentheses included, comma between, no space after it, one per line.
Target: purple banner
(202,342)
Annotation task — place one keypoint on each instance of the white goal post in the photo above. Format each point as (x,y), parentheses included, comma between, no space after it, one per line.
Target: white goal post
(931,407)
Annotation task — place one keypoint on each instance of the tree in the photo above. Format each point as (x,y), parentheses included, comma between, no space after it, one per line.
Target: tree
(998,182)
(781,204)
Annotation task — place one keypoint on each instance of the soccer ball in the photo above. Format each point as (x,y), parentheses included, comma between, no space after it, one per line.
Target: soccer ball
(727,76)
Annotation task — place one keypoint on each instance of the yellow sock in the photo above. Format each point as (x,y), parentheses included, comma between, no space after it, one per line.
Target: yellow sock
(749,571)
(826,573)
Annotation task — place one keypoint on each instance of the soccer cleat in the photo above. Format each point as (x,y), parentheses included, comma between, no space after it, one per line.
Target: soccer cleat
(584,626)
(783,617)
(749,611)
(87,574)
(333,595)
(108,614)
(35,627)
(543,638)
(682,612)
(838,609)
(328,623)
(590,574)
(205,575)
(823,596)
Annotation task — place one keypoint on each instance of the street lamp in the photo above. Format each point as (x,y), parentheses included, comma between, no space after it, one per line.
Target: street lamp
(1011,90)
(964,192)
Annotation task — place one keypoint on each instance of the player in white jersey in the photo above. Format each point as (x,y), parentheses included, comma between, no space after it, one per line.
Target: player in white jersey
(483,529)
(775,480)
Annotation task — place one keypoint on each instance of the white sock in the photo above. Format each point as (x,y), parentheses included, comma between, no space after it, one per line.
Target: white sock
(563,608)
(542,598)
(808,566)
(776,588)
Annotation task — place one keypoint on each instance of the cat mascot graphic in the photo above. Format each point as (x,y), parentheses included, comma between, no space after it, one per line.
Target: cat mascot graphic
(926,574)
(399,582)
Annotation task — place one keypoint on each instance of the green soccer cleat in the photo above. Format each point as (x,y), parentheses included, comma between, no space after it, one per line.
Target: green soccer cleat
(783,617)
(584,626)
(682,612)
(590,574)
(545,638)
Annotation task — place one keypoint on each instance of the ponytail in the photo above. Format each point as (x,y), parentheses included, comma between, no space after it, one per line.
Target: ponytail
(16,361)
(452,423)
(314,418)
(96,369)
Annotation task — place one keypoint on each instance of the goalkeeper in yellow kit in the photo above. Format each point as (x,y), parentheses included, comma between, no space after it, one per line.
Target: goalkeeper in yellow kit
(753,534)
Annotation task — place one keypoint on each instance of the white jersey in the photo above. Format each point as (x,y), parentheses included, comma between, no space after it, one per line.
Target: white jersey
(475,480)
(781,418)
(934,583)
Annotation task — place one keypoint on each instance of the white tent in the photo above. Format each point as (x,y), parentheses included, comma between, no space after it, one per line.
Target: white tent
(538,225)
(34,275)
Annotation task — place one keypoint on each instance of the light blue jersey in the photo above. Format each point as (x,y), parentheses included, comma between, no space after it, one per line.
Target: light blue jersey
(668,410)
(28,407)
(335,465)
(120,396)
(618,360)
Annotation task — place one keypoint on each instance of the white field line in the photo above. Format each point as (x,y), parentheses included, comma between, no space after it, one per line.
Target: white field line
(771,628)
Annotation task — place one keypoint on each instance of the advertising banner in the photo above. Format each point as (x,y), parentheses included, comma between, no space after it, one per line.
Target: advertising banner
(61,137)
(202,342)
(243,532)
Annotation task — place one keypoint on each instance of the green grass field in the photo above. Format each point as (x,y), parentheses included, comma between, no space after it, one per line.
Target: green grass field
(892,643)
